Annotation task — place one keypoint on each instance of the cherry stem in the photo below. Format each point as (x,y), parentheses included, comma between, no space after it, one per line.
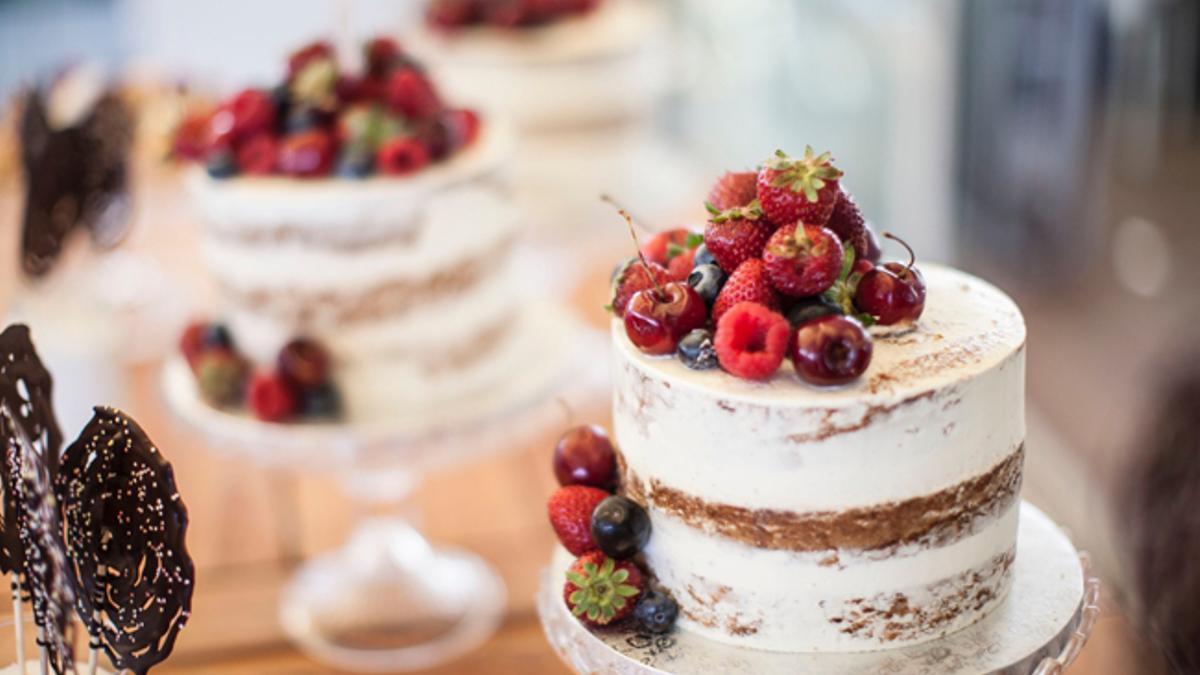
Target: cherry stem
(658,290)
(912,257)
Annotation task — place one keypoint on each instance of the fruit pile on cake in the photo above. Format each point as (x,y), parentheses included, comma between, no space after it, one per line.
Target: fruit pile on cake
(359,233)
(828,450)
(548,63)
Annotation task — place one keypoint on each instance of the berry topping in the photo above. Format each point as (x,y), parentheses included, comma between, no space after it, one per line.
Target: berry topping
(831,350)
(696,350)
(803,260)
(893,293)
(323,401)
(570,511)
(585,456)
(401,156)
(411,94)
(811,308)
(656,612)
(252,112)
(734,189)
(663,246)
(680,266)
(270,398)
(848,224)
(306,155)
(257,155)
(634,277)
(751,341)
(748,283)
(736,235)
(221,377)
(707,280)
(658,317)
(380,54)
(620,527)
(600,590)
(304,364)
(798,189)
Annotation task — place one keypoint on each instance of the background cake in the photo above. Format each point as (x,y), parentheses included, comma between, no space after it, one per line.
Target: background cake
(875,515)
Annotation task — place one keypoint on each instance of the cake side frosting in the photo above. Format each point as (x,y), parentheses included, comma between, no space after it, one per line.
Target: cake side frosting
(789,517)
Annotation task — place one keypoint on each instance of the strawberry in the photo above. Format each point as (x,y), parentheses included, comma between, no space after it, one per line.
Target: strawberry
(411,94)
(733,189)
(270,398)
(251,112)
(804,189)
(570,511)
(736,235)
(803,260)
(848,224)
(748,283)
(631,278)
(680,266)
(600,590)
(661,247)
(751,340)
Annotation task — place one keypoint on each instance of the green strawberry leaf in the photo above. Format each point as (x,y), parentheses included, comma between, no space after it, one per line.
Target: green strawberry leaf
(847,263)
(693,240)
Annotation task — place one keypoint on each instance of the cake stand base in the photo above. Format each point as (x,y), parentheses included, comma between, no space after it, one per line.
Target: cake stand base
(1039,628)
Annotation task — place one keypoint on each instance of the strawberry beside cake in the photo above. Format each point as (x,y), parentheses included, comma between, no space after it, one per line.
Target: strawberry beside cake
(359,235)
(812,450)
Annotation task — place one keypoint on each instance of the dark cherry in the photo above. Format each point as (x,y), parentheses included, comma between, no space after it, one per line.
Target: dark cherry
(584,456)
(831,350)
(892,292)
(657,318)
(304,364)
(620,527)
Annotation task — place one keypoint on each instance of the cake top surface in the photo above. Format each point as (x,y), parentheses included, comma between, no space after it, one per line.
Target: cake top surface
(968,327)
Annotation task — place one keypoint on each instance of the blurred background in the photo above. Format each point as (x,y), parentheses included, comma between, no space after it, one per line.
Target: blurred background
(1049,146)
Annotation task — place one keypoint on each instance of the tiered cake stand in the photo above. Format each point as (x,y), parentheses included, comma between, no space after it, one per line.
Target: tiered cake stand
(1039,628)
(389,600)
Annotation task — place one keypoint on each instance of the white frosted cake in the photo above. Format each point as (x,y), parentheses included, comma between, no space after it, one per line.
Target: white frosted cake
(405,280)
(606,65)
(872,515)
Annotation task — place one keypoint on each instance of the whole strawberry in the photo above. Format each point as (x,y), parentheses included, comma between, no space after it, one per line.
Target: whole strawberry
(600,590)
(848,224)
(661,247)
(570,512)
(803,260)
(804,189)
(630,279)
(748,283)
(735,188)
(736,235)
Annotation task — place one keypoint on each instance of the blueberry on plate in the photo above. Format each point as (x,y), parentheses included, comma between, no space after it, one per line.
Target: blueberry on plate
(656,611)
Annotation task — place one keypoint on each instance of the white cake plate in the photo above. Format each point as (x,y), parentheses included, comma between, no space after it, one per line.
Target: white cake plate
(389,600)
(1039,628)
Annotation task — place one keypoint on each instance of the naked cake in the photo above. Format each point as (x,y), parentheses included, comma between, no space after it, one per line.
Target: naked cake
(814,452)
(345,237)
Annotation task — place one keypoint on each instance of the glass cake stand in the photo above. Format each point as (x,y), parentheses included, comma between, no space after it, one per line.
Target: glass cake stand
(389,600)
(1040,628)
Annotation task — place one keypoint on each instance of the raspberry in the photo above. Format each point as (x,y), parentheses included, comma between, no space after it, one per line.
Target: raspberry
(748,283)
(401,156)
(734,189)
(751,341)
(270,398)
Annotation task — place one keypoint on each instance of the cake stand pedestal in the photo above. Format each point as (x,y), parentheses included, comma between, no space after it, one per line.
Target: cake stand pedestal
(389,600)
(1039,628)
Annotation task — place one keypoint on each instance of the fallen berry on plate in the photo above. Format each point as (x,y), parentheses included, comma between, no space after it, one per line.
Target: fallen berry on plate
(570,512)
(751,341)
(734,189)
(656,611)
(269,397)
(736,235)
(831,350)
(893,292)
(584,456)
(600,590)
(748,283)
(803,260)
(803,189)
(620,527)
(696,350)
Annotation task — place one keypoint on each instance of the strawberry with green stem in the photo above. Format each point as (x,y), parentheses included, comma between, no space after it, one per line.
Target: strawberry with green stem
(792,189)
(600,590)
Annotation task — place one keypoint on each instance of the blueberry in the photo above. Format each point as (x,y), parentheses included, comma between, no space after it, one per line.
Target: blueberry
(221,164)
(356,164)
(809,309)
(656,611)
(216,336)
(696,350)
(322,402)
(620,527)
(703,257)
(281,96)
(707,281)
(303,118)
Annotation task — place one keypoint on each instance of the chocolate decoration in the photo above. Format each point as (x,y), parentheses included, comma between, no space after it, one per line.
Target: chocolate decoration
(76,177)
(125,527)
(26,388)
(46,573)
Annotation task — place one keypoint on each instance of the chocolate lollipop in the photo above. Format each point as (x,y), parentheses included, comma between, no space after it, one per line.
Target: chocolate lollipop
(125,526)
